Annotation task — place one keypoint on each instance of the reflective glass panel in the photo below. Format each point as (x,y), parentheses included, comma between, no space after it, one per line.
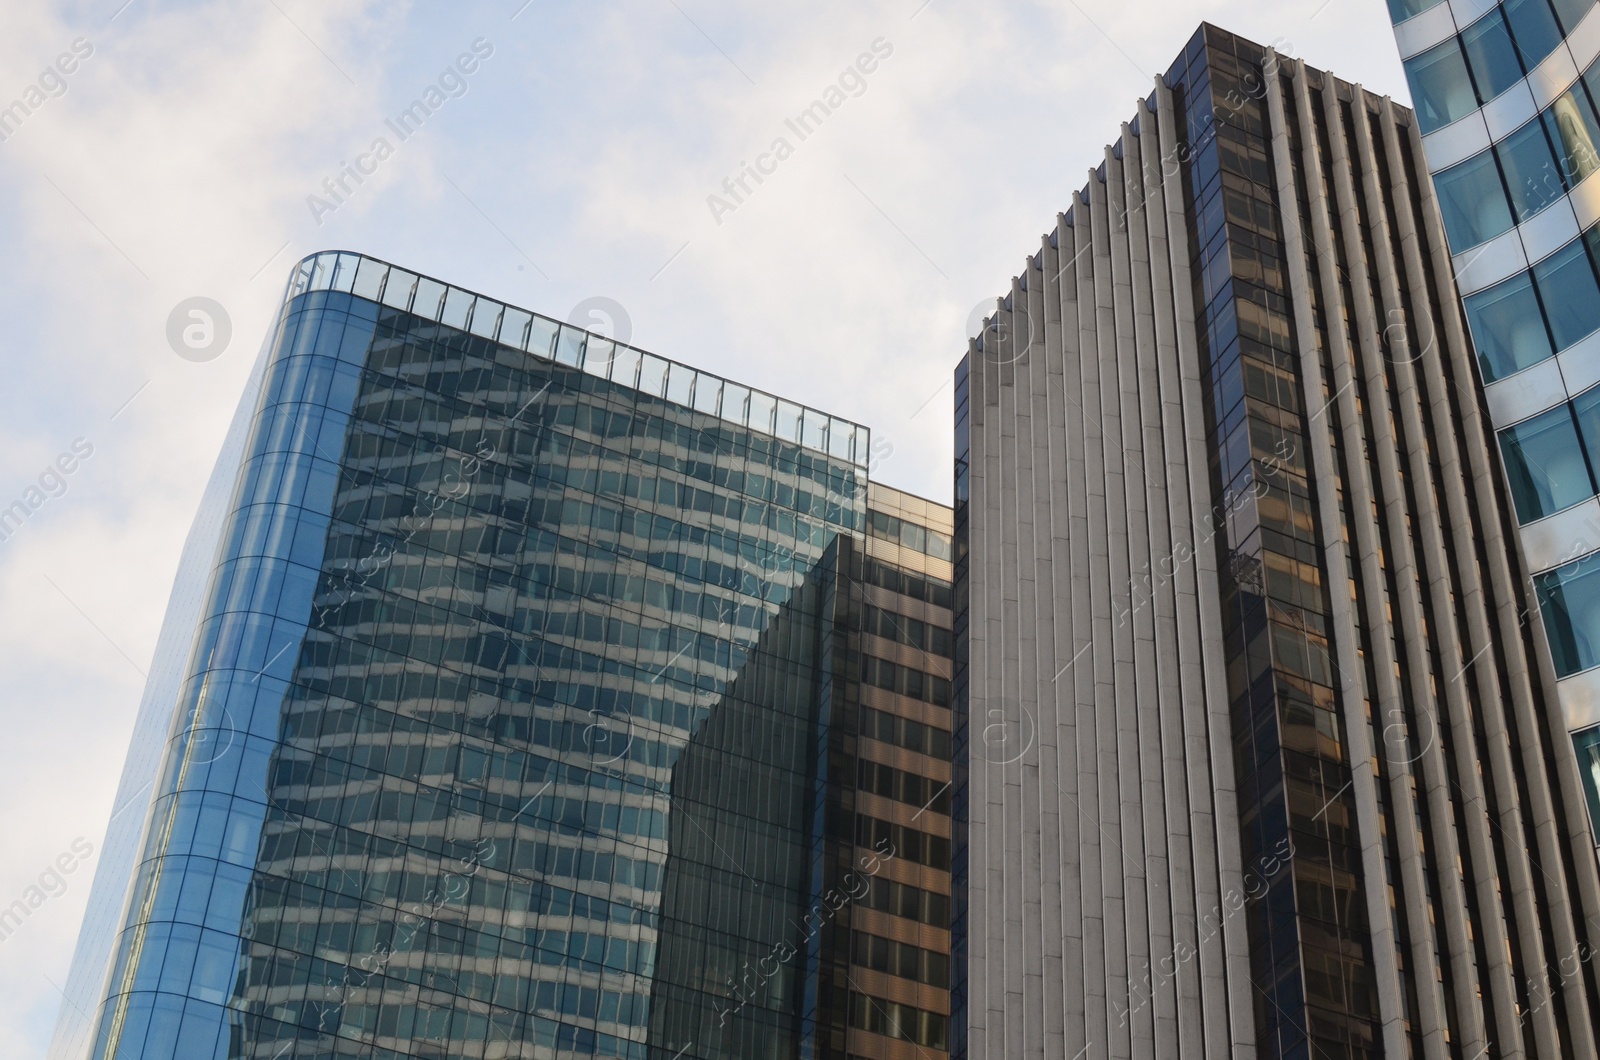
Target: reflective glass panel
(1545,464)
(1534,28)
(429,294)
(762,407)
(1586,408)
(1575,130)
(369,278)
(397,292)
(1400,10)
(485,318)
(1587,745)
(569,348)
(1491,55)
(1571,12)
(1507,328)
(1569,599)
(1530,170)
(514,327)
(542,337)
(652,375)
(1571,297)
(1472,201)
(1440,87)
(734,399)
(625,365)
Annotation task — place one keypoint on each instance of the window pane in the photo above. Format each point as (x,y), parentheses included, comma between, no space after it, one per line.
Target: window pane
(1507,328)
(1491,55)
(1569,599)
(1545,464)
(1534,28)
(1440,87)
(1530,169)
(1586,407)
(1400,10)
(1473,202)
(1571,297)
(1575,131)
(1571,12)
(1591,78)
(1587,744)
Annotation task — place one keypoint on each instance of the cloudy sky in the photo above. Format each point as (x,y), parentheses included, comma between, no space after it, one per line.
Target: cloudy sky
(176,159)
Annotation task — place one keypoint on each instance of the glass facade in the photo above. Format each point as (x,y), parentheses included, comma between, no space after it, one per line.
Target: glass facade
(505,727)
(1535,295)
(1310,952)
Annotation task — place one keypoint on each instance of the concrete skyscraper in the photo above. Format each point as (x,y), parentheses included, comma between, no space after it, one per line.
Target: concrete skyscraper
(1258,754)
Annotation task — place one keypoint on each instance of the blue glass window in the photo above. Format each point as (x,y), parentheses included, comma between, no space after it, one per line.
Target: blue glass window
(1400,10)
(1571,12)
(1575,130)
(1491,55)
(1586,408)
(1473,202)
(1587,745)
(1534,27)
(1569,599)
(1507,328)
(1546,464)
(1571,296)
(1530,170)
(1440,86)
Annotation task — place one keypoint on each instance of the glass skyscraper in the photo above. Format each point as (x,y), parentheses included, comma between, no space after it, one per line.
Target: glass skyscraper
(1257,753)
(527,695)
(1508,105)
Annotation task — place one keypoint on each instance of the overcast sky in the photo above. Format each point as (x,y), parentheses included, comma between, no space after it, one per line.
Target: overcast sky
(575,162)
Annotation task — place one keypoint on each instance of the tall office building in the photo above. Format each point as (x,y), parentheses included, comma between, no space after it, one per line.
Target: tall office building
(1506,98)
(527,695)
(1257,754)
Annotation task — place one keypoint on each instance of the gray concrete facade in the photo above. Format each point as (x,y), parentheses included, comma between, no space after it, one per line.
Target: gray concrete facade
(1166,851)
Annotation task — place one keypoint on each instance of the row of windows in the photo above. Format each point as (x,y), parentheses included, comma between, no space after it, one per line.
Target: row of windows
(1550,459)
(919,848)
(894,1020)
(459,365)
(905,680)
(914,536)
(912,903)
(897,784)
(905,583)
(1536,314)
(903,732)
(1452,79)
(1530,169)
(900,959)
(916,633)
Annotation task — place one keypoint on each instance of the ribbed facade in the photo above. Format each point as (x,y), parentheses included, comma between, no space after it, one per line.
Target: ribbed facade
(1258,754)
(1508,102)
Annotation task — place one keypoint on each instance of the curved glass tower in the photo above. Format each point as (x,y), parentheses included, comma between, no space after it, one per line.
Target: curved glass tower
(508,721)
(1508,101)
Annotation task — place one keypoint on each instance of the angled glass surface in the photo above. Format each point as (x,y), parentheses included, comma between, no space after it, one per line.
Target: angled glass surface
(500,658)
